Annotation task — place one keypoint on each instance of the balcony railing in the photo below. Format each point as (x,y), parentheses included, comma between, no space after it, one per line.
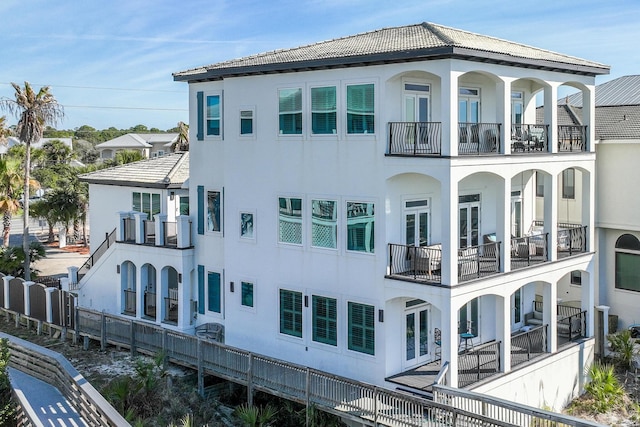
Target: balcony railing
(478,261)
(130,302)
(417,263)
(529,138)
(529,344)
(129,226)
(171,306)
(529,250)
(170,234)
(415,138)
(150,304)
(572,238)
(572,327)
(149,232)
(477,364)
(572,138)
(478,138)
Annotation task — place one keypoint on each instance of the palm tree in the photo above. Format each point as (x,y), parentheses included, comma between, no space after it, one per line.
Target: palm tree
(10,189)
(4,131)
(35,110)
(182,142)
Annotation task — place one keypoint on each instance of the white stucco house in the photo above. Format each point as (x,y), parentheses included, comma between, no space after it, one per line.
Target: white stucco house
(12,140)
(144,207)
(148,144)
(386,207)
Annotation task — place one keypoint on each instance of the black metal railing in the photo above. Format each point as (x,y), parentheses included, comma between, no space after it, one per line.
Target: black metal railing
(572,241)
(130,302)
(478,138)
(529,138)
(572,328)
(572,138)
(561,310)
(150,304)
(129,228)
(109,240)
(478,261)
(170,234)
(415,138)
(171,306)
(529,344)
(417,263)
(529,250)
(149,232)
(477,364)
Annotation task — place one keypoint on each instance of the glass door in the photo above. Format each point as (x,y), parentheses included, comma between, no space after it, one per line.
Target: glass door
(469,223)
(517,320)
(416,335)
(416,220)
(416,112)
(516,214)
(468,114)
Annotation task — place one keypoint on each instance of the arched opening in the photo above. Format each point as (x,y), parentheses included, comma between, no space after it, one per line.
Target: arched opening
(170,295)
(128,286)
(149,301)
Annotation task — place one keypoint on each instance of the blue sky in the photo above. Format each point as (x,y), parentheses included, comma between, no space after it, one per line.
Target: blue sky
(109,63)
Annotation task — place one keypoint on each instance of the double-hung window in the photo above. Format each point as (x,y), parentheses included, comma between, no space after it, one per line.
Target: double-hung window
(325,320)
(290,111)
(247,294)
(148,203)
(361,328)
(323,110)
(246,122)
(291,313)
(360,227)
(213,115)
(360,108)
(290,220)
(214,205)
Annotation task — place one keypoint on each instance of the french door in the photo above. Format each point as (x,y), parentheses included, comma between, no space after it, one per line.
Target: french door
(417,226)
(416,111)
(416,335)
(469,220)
(517,316)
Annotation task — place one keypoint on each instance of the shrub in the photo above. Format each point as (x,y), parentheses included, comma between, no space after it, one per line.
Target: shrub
(603,387)
(623,345)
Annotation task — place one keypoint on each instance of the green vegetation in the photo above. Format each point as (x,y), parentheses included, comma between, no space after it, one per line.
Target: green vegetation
(622,345)
(7,407)
(12,259)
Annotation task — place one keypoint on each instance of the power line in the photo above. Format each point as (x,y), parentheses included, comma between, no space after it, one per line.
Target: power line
(103,88)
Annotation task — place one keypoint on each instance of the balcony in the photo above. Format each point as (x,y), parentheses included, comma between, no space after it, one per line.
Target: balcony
(478,138)
(529,250)
(423,264)
(572,138)
(415,139)
(571,238)
(134,229)
(129,302)
(527,139)
(171,306)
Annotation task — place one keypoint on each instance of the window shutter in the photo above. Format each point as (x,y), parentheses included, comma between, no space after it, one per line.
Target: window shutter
(201,289)
(200,209)
(200,114)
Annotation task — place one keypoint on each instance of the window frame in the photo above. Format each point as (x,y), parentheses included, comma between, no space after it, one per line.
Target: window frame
(626,245)
(348,228)
(220,216)
(251,283)
(346,114)
(301,218)
(324,328)
(206,118)
(297,113)
(313,112)
(150,213)
(252,110)
(220,291)
(243,237)
(569,188)
(297,329)
(314,220)
(364,349)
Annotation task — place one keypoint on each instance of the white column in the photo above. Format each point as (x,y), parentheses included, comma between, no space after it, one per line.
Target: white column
(503,96)
(551,214)
(588,207)
(449,105)
(588,116)
(450,342)
(120,227)
(27,297)
(503,231)
(550,315)
(72,274)
(160,219)
(605,320)
(140,218)
(6,280)
(449,265)
(503,331)
(184,231)
(551,115)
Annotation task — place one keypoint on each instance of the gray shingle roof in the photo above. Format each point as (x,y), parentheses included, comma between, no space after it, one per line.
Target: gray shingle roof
(396,44)
(618,122)
(130,140)
(621,91)
(169,171)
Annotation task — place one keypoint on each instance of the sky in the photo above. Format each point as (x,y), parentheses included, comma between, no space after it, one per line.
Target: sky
(110,63)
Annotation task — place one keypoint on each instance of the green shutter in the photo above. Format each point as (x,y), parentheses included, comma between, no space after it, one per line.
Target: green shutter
(200,116)
(201,289)
(214,294)
(200,209)
(361,328)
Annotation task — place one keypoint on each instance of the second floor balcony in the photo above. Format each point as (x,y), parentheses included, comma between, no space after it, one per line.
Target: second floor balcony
(136,229)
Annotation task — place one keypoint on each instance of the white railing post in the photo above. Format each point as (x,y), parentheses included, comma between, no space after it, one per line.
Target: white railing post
(49,303)
(72,275)
(120,229)
(160,219)
(140,218)
(6,280)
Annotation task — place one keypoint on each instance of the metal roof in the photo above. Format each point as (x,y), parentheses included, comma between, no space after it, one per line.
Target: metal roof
(621,91)
(168,171)
(397,44)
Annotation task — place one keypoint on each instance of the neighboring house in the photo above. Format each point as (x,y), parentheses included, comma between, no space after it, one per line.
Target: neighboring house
(12,140)
(367,206)
(148,203)
(148,144)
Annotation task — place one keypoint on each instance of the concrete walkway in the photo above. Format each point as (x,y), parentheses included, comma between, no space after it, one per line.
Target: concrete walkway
(45,402)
